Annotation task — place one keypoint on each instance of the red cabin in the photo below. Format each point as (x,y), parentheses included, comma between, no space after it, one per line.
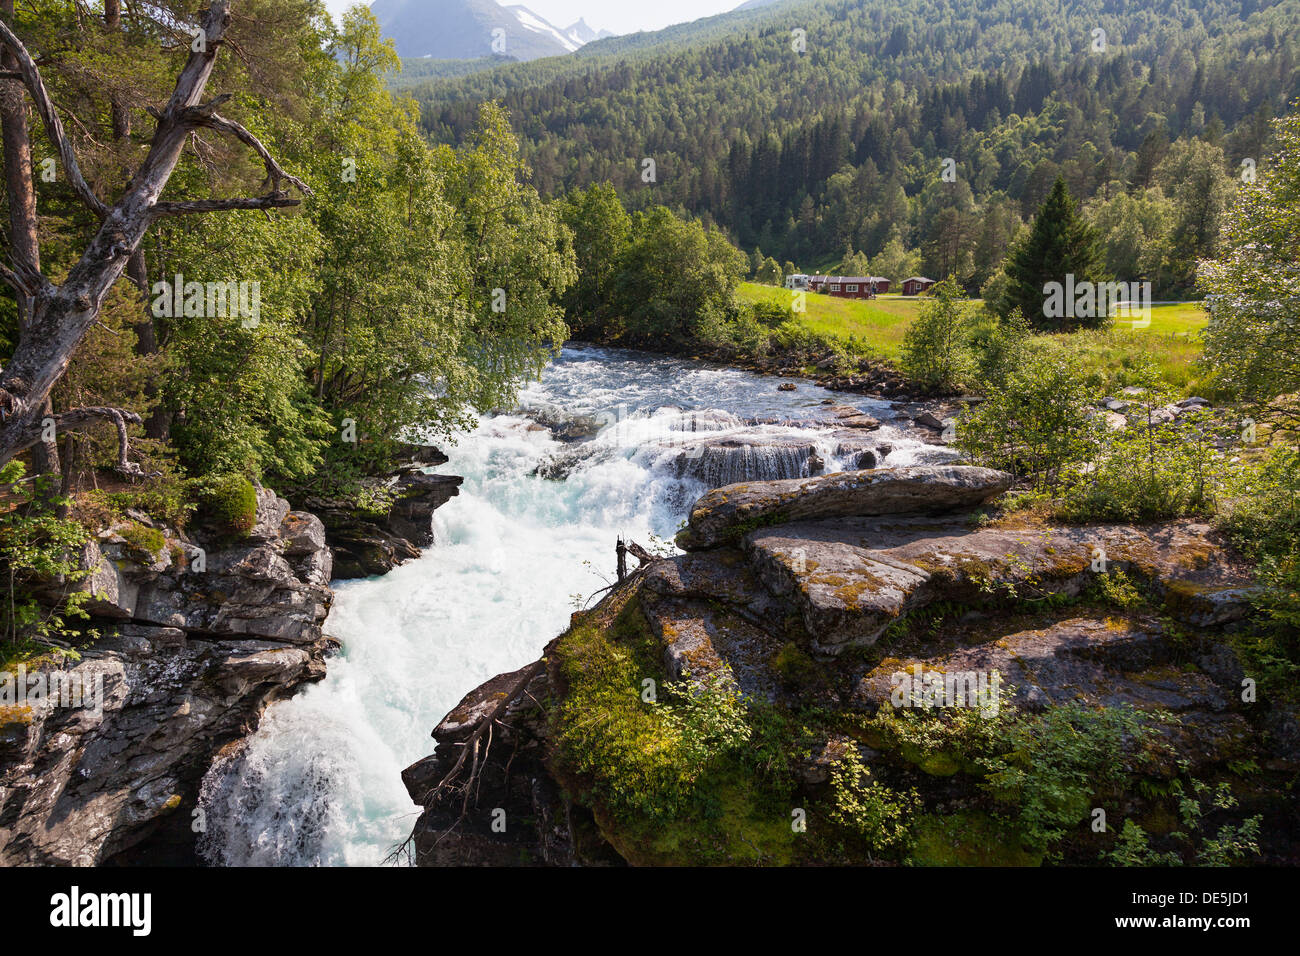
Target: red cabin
(849,287)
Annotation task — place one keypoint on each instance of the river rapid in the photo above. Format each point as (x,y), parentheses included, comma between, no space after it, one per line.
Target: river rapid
(319,782)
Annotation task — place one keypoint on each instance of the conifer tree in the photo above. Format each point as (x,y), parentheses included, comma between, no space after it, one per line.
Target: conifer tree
(1059,244)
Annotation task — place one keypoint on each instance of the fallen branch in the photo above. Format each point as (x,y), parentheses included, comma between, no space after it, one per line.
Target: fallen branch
(451,783)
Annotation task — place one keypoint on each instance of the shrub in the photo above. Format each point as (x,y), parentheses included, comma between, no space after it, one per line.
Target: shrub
(1262,516)
(1149,473)
(1230,845)
(37,548)
(936,354)
(1000,347)
(228,504)
(1037,423)
(1050,767)
(868,814)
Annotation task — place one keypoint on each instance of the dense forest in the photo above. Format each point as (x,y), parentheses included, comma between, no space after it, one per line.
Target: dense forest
(926,132)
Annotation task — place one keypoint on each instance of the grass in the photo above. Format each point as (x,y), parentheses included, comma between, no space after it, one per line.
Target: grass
(876,327)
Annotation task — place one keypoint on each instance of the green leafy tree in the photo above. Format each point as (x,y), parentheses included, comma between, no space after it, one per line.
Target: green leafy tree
(1252,342)
(601,230)
(936,351)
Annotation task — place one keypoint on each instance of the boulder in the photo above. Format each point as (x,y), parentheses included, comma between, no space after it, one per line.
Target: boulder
(846,416)
(726,514)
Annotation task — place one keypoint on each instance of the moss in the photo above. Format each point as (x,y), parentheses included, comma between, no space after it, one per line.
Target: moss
(794,666)
(14,714)
(968,838)
(229,505)
(144,541)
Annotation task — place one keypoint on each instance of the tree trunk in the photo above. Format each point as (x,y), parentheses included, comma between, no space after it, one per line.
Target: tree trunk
(158,425)
(62,315)
(20,190)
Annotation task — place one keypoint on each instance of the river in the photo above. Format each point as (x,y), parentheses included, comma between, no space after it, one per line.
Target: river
(319,783)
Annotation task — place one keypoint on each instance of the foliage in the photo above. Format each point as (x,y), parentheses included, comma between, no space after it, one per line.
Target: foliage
(1035,424)
(1262,516)
(1230,845)
(1252,289)
(936,354)
(1151,471)
(867,813)
(640,757)
(39,549)
(1051,766)
(1117,589)
(228,503)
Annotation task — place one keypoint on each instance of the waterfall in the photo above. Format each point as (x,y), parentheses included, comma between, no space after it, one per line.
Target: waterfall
(319,782)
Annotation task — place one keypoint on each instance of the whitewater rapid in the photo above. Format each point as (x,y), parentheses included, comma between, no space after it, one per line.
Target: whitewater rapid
(319,783)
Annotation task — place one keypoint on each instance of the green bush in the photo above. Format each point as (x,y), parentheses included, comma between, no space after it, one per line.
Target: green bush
(1036,424)
(1230,845)
(867,814)
(37,548)
(1262,516)
(1149,473)
(936,350)
(228,504)
(1050,767)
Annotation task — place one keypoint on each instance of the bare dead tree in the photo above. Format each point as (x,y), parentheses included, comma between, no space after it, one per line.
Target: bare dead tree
(61,315)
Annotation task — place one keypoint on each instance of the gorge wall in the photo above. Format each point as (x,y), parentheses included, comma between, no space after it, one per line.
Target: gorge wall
(188,659)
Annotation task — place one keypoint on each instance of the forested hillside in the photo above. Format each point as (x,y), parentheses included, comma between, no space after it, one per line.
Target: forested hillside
(842,148)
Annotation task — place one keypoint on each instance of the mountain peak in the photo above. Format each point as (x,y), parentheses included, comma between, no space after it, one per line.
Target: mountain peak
(472,29)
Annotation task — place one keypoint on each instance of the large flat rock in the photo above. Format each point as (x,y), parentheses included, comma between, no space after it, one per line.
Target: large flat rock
(850,578)
(725,514)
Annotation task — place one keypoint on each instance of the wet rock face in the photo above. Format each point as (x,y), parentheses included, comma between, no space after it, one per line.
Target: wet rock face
(190,659)
(367,545)
(726,514)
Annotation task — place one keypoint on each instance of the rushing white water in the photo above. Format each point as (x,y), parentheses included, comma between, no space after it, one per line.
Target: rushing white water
(319,783)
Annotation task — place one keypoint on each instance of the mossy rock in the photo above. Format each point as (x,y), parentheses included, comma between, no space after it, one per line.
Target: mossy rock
(229,505)
(147,542)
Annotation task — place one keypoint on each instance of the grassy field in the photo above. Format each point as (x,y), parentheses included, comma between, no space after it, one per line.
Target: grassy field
(1112,356)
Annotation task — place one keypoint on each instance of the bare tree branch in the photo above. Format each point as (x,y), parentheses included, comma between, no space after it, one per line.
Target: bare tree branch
(222,205)
(274,172)
(31,77)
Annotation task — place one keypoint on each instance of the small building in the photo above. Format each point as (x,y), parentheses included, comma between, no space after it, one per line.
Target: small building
(798,281)
(915,285)
(849,287)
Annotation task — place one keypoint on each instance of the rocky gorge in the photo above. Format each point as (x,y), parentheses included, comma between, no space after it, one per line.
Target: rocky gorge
(829,546)
(197,635)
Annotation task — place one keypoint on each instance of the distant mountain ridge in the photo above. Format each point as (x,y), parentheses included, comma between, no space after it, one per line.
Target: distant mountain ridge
(471,29)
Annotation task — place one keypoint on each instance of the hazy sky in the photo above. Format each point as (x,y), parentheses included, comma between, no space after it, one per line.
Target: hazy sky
(621,16)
